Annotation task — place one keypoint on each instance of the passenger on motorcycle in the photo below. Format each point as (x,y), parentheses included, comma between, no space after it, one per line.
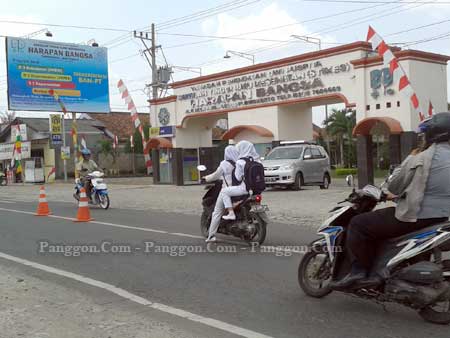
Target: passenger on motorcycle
(84,167)
(224,172)
(246,150)
(421,187)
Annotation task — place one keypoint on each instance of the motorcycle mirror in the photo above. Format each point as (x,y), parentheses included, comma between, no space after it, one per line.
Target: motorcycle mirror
(350,180)
(201,167)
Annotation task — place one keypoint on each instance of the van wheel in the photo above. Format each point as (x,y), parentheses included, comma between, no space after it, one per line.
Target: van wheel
(298,182)
(326,182)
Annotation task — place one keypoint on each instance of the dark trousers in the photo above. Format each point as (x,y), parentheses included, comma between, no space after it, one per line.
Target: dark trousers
(368,228)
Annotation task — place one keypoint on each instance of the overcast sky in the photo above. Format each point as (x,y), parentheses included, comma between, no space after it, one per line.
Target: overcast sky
(339,23)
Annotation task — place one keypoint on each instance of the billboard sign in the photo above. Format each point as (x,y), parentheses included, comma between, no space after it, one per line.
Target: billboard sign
(7,150)
(78,74)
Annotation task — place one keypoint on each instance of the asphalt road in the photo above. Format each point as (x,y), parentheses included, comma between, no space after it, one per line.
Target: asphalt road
(253,290)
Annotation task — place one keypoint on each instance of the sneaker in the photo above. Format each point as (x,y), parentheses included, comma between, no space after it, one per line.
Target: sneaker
(211,239)
(230,217)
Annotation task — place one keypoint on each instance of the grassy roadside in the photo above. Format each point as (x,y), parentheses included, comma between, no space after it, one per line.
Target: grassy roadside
(379,173)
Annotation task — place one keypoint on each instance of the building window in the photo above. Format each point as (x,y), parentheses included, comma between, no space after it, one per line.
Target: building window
(388,105)
(378,106)
(398,103)
(368,107)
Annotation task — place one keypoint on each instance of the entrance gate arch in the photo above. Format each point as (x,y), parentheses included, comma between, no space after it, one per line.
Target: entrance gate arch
(278,96)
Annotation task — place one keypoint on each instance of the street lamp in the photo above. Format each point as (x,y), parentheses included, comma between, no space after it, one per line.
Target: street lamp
(309,39)
(44,30)
(92,42)
(247,56)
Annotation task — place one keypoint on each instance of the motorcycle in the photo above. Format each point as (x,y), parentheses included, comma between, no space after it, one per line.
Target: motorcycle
(3,180)
(251,218)
(408,270)
(99,190)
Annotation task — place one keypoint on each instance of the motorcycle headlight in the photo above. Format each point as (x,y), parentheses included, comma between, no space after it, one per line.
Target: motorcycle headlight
(287,167)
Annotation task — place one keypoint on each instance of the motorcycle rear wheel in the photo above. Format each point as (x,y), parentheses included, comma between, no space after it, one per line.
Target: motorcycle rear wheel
(103,201)
(437,314)
(321,273)
(261,231)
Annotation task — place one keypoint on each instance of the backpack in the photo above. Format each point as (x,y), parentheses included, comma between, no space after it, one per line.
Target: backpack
(254,176)
(234,180)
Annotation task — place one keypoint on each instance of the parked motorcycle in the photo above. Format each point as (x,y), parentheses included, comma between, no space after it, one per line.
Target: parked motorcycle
(408,270)
(251,218)
(3,180)
(99,190)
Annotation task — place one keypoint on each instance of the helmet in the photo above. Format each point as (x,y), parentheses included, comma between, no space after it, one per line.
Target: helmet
(437,128)
(85,152)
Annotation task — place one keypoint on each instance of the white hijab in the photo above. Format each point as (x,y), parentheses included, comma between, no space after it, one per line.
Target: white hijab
(232,154)
(247,149)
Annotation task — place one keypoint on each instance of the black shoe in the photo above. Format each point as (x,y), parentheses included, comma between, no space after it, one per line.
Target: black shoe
(347,281)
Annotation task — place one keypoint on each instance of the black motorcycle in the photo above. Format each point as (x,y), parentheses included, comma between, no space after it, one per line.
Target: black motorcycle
(251,218)
(409,270)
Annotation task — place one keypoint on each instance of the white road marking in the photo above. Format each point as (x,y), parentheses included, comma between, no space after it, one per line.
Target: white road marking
(139,300)
(179,234)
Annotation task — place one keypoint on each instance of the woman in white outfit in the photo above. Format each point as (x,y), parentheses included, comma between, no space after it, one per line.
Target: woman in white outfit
(246,150)
(224,172)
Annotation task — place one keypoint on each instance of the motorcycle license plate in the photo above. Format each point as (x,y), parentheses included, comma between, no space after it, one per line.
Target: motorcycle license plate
(260,208)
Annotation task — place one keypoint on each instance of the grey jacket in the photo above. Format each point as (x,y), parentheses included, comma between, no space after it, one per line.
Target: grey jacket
(409,182)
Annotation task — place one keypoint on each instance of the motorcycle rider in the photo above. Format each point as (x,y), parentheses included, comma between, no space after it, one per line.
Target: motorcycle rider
(224,172)
(246,150)
(421,187)
(84,167)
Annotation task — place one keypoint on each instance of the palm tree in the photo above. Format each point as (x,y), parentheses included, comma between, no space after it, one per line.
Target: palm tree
(340,126)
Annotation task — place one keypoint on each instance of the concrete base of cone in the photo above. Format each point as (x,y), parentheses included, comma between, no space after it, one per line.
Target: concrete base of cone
(83,220)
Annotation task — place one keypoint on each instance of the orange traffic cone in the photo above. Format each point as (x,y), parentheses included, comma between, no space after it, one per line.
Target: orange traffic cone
(42,209)
(83,208)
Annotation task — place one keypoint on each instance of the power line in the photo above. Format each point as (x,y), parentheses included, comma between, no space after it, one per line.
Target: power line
(206,13)
(281,26)
(65,26)
(283,44)
(382,2)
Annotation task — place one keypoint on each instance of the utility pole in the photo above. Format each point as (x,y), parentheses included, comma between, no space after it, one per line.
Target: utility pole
(154,66)
(144,36)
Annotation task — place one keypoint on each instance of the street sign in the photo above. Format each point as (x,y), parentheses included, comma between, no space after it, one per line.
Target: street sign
(56,131)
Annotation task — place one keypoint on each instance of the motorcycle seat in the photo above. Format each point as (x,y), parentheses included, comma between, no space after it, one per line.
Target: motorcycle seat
(445,225)
(239,198)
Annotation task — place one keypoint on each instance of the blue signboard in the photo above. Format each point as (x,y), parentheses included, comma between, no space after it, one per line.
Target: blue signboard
(38,69)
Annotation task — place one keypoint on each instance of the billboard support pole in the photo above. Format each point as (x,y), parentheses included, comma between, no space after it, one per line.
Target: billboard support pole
(75,143)
(64,145)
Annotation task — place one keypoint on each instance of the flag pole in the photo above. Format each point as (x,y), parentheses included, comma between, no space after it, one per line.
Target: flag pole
(64,145)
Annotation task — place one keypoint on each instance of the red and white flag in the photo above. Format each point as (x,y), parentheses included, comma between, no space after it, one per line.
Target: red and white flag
(115,142)
(430,109)
(395,69)
(136,122)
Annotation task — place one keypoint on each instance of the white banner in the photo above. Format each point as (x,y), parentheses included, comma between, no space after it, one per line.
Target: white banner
(6,150)
(16,129)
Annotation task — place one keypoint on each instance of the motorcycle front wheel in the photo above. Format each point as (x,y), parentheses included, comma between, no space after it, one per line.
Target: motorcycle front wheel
(438,313)
(314,273)
(103,201)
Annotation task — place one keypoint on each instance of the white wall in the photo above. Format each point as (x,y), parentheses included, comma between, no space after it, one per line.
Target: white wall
(264,117)
(295,122)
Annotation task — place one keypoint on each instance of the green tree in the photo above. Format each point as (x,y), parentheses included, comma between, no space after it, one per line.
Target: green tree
(137,140)
(339,126)
(106,149)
